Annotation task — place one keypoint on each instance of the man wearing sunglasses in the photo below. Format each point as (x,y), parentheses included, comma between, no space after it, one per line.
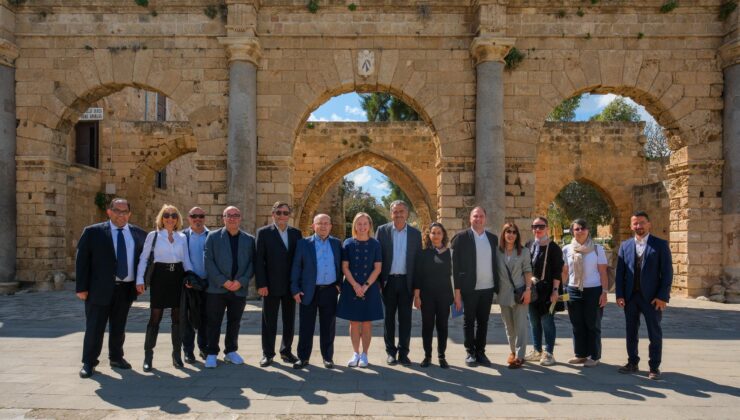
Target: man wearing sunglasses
(276,244)
(197,232)
(229,260)
(105,266)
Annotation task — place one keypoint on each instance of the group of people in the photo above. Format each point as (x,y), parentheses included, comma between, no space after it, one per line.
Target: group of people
(202,275)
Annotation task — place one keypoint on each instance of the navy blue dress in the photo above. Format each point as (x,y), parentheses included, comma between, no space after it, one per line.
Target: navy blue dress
(361,255)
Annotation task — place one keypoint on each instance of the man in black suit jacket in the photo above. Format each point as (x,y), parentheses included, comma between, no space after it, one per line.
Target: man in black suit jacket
(276,245)
(476,280)
(397,280)
(106,263)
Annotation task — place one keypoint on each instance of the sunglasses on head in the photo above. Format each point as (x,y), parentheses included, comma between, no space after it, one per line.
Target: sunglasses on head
(539,227)
(281,213)
(197,216)
(169,215)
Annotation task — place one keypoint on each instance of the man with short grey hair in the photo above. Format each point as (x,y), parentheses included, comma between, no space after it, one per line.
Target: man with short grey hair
(196,233)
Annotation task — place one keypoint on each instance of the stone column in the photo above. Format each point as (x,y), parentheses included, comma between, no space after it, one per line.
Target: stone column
(490,165)
(730,53)
(8,54)
(241,162)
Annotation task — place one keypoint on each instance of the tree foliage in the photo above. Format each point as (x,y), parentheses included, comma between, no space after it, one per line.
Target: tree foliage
(656,146)
(396,193)
(566,111)
(386,107)
(618,110)
(580,200)
(356,200)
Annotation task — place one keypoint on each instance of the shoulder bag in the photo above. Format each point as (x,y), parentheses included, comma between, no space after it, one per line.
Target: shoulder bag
(150,263)
(519,291)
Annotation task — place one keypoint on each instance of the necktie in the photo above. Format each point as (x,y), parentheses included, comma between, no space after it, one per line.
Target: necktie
(121,256)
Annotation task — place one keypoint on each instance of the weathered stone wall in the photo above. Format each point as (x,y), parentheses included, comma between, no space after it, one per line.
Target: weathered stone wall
(653,199)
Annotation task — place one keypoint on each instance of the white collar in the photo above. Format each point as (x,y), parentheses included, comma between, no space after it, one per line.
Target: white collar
(482,235)
(642,241)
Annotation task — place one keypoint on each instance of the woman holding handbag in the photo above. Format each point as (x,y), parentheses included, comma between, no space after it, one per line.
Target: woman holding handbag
(515,291)
(547,268)
(162,267)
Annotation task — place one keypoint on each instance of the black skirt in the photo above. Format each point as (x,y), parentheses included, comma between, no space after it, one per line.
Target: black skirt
(166,285)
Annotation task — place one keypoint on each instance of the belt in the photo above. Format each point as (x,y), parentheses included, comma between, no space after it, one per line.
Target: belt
(167,266)
(119,283)
(323,286)
(397,276)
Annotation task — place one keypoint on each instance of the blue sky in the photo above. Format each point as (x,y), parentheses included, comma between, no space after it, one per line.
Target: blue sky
(347,108)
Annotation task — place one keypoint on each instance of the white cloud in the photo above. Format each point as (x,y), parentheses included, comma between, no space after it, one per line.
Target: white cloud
(383,187)
(355,110)
(603,100)
(313,117)
(361,177)
(337,118)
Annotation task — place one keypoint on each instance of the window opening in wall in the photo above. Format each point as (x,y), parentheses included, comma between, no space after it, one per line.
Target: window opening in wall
(161,107)
(160,179)
(87,142)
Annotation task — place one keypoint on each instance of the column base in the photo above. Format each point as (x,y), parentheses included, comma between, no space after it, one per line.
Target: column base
(9,287)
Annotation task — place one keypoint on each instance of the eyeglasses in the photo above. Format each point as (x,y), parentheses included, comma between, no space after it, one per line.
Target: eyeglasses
(120,212)
(579,229)
(281,212)
(232,215)
(197,216)
(513,232)
(169,215)
(539,227)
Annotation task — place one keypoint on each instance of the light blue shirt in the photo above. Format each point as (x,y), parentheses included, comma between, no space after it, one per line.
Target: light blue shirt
(283,234)
(129,239)
(196,250)
(326,273)
(398,237)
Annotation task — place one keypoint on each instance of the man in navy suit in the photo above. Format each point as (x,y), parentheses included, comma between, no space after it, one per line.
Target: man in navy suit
(276,244)
(643,286)
(105,266)
(229,260)
(399,244)
(314,282)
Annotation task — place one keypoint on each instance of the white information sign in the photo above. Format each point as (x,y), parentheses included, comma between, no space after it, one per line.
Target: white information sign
(92,114)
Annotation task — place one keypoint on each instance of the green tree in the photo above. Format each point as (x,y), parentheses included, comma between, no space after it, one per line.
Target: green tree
(386,107)
(396,193)
(580,200)
(566,111)
(618,110)
(356,200)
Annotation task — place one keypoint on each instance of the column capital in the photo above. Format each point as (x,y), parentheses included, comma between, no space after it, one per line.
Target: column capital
(245,48)
(490,48)
(730,53)
(8,53)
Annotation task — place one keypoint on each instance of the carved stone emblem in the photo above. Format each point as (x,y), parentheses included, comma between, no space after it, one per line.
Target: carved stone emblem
(365,63)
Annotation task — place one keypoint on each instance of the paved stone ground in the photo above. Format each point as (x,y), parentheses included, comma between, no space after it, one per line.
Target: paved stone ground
(41,338)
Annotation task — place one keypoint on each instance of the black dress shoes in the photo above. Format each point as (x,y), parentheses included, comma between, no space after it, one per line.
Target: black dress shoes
(266,361)
(120,364)
(628,368)
(483,360)
(189,357)
(404,360)
(391,360)
(86,371)
(328,364)
(288,358)
(426,362)
(443,363)
(300,364)
(471,361)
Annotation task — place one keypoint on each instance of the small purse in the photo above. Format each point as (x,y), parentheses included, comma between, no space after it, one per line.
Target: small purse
(519,291)
(150,263)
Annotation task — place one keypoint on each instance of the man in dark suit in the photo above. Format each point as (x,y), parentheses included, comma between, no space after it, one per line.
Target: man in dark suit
(399,244)
(229,261)
(314,282)
(106,264)
(476,280)
(643,286)
(276,244)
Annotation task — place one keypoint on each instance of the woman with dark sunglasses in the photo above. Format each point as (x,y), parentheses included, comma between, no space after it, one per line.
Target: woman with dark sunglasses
(171,261)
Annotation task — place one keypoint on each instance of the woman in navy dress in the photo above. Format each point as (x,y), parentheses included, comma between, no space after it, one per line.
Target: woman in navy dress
(360,301)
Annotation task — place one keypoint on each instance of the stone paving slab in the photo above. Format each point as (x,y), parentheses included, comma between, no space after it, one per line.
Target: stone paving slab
(41,338)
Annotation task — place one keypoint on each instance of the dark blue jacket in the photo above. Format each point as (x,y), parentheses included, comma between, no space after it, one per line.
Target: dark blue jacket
(304,271)
(656,273)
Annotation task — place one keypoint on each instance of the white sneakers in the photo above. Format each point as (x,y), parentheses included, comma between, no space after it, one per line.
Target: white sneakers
(233,358)
(590,362)
(211,361)
(547,359)
(363,360)
(533,356)
(358,360)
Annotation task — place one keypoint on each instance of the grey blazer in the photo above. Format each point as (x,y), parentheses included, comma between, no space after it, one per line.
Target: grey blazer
(517,265)
(218,261)
(384,235)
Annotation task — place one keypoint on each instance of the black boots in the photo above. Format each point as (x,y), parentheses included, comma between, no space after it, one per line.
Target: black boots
(176,346)
(150,341)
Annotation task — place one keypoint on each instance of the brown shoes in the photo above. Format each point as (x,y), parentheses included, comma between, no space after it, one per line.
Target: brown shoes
(516,363)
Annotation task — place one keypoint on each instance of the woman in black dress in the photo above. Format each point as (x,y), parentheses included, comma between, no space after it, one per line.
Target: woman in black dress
(433,291)
(171,261)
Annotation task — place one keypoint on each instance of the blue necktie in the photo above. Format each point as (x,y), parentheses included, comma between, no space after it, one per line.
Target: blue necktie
(121,256)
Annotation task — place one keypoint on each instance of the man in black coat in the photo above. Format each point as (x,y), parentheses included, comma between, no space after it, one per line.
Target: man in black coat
(476,280)
(276,245)
(399,245)
(106,264)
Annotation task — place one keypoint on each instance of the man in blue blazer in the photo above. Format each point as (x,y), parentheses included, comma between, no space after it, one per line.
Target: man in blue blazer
(643,286)
(399,245)
(105,265)
(229,260)
(314,282)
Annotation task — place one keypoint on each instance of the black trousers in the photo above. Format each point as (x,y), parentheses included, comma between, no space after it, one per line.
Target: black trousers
(114,316)
(397,300)
(270,307)
(325,303)
(476,311)
(188,332)
(434,313)
(635,306)
(585,316)
(216,305)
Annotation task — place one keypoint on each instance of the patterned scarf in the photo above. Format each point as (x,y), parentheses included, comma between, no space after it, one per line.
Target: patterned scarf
(579,251)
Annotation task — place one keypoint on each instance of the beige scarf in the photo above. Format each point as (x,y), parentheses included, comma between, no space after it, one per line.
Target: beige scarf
(579,252)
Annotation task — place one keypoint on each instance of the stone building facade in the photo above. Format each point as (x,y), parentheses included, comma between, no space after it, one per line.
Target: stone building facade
(247,73)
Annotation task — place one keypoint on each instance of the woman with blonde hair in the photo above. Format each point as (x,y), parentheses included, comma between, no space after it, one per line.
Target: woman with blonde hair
(360,300)
(169,251)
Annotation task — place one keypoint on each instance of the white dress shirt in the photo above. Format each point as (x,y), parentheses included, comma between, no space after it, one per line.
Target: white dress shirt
(164,252)
(640,244)
(483,262)
(130,248)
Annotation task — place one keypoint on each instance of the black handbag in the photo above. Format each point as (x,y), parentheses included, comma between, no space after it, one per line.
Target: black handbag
(519,291)
(150,263)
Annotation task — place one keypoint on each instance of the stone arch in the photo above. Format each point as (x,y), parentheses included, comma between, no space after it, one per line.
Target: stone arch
(335,170)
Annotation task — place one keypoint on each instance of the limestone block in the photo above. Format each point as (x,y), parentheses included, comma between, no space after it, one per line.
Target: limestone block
(104,65)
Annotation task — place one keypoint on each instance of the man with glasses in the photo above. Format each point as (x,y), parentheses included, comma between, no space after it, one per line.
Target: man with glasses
(229,261)
(276,244)
(106,267)
(197,232)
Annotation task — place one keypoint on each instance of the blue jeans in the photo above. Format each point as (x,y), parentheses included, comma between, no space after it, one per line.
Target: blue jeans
(540,324)
(585,316)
